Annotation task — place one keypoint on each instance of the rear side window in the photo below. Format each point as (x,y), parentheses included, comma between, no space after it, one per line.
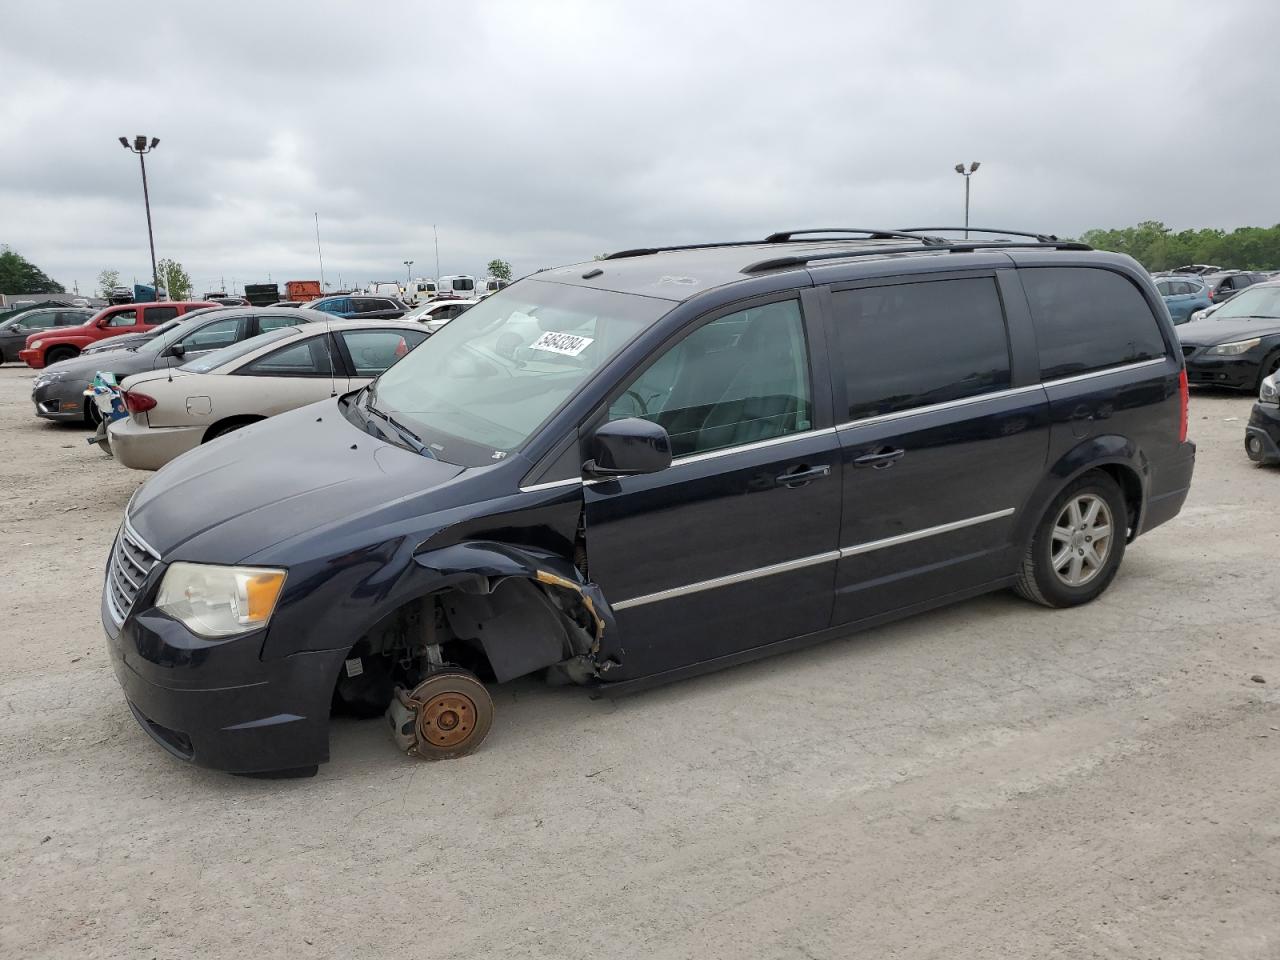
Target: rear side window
(310,358)
(155,315)
(914,344)
(1088,319)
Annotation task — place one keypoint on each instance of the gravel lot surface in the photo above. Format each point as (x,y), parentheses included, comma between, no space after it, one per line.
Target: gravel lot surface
(991,780)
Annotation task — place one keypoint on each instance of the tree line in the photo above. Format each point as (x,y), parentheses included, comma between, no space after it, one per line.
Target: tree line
(1157,247)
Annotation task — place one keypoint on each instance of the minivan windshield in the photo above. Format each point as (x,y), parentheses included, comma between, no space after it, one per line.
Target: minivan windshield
(1254,302)
(480,386)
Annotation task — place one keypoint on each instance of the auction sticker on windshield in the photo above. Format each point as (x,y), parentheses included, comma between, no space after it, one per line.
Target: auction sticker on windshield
(567,344)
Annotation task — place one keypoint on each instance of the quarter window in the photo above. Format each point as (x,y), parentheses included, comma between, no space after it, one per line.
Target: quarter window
(372,351)
(1088,319)
(735,380)
(914,344)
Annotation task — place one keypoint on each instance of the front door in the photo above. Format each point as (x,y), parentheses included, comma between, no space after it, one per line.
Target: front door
(733,546)
(943,440)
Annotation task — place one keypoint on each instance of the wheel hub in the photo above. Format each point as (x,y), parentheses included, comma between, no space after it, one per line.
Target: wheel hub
(1081,539)
(447,719)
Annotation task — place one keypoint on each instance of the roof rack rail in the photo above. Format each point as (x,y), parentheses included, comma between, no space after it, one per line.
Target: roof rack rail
(645,251)
(1042,237)
(799,260)
(780,237)
(872,234)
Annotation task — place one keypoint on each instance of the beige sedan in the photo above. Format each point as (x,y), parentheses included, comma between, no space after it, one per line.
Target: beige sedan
(171,412)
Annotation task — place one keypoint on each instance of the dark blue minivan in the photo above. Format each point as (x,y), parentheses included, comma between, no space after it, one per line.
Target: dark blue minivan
(642,468)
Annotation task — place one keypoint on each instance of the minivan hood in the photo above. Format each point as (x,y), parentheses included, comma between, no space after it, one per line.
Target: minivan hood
(1211,330)
(300,472)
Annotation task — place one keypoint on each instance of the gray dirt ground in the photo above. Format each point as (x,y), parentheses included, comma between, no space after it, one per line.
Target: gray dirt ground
(992,780)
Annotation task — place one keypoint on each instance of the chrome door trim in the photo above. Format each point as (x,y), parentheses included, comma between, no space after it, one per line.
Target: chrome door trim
(729,579)
(945,405)
(922,534)
(692,458)
(758,445)
(552,484)
(1102,373)
(800,563)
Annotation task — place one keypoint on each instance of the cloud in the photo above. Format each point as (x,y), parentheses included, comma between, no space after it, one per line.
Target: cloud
(547,133)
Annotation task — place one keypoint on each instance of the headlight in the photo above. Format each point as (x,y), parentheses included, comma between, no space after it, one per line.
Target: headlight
(49,376)
(37,345)
(1197,315)
(1236,348)
(1270,391)
(220,601)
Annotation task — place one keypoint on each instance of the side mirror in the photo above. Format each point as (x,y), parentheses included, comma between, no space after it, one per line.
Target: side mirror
(177,350)
(624,448)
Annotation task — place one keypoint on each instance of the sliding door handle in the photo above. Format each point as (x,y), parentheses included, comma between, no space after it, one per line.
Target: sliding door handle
(884,457)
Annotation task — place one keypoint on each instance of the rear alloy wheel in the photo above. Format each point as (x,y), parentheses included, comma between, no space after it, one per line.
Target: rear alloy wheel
(1078,544)
(446,715)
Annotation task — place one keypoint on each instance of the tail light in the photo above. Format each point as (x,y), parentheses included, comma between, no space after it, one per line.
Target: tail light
(136,402)
(1184,401)
(401,348)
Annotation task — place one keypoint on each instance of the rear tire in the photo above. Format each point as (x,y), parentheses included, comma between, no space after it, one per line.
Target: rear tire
(1069,560)
(223,429)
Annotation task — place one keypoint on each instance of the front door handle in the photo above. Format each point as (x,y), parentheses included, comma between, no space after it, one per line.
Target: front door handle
(799,476)
(884,457)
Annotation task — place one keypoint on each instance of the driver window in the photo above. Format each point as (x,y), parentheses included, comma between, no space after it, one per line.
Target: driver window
(736,380)
(125,318)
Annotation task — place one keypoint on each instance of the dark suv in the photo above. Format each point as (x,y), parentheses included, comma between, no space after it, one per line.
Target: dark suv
(359,307)
(638,469)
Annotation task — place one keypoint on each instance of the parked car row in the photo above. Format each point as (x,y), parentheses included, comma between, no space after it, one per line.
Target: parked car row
(1238,346)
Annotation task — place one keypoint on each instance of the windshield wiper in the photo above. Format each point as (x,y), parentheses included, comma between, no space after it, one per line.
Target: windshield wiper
(411,439)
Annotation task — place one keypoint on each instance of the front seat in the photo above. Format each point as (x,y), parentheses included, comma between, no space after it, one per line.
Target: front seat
(764,398)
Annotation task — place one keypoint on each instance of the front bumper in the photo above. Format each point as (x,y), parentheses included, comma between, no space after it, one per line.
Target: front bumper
(1262,435)
(140,447)
(32,358)
(61,400)
(216,703)
(1238,373)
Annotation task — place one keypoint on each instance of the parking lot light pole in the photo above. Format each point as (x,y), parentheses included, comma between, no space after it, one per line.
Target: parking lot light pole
(973,167)
(141,147)
(408,272)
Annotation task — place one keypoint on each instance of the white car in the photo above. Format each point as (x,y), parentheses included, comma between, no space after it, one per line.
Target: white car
(437,313)
(173,412)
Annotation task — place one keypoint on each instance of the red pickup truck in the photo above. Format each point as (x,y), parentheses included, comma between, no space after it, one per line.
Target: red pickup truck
(61,343)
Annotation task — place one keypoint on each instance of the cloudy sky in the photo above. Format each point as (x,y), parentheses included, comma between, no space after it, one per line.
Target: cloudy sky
(546,132)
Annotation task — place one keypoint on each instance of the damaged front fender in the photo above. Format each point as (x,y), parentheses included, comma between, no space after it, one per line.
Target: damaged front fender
(479,567)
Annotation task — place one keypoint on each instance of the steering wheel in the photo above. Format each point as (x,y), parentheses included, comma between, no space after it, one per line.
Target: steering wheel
(644,407)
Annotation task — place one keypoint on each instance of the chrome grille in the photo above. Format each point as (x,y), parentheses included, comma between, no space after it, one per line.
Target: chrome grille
(132,559)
